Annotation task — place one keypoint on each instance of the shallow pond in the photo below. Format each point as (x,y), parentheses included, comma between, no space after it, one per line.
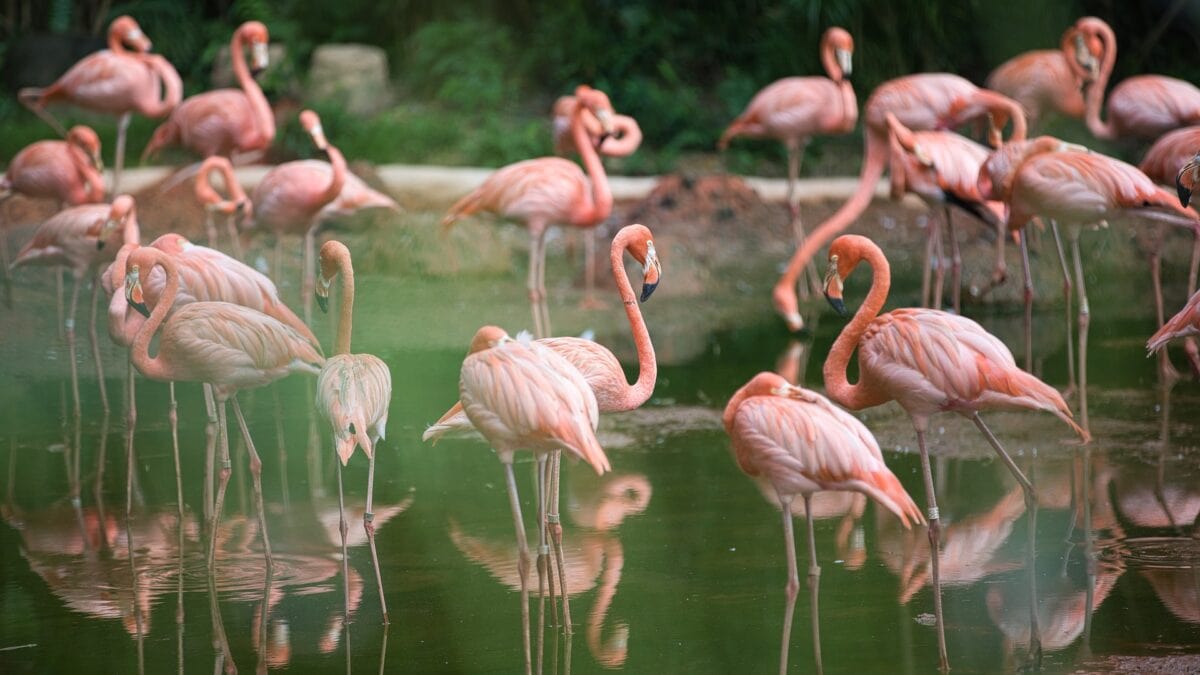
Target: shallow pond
(674,561)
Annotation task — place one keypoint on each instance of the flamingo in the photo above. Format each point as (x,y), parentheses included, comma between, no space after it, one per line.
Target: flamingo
(115,81)
(925,101)
(548,190)
(794,109)
(305,194)
(599,366)
(1078,189)
(68,171)
(942,168)
(69,239)
(224,345)
(353,392)
(1143,106)
(1183,324)
(1043,79)
(801,443)
(1187,179)
(233,123)
(928,361)
(237,207)
(206,275)
(522,395)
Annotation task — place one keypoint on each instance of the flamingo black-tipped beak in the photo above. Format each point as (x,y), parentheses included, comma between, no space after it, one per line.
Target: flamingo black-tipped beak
(648,290)
(141,308)
(99,244)
(1185,195)
(838,305)
(323,303)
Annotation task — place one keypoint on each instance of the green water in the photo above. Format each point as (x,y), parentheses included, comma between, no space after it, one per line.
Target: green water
(675,561)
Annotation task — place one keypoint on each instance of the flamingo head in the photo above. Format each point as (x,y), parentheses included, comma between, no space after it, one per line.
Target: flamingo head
(333,255)
(784,299)
(488,337)
(133,289)
(255,34)
(642,250)
(1085,42)
(841,263)
(311,123)
(123,208)
(84,138)
(126,29)
(597,102)
(1188,179)
(843,49)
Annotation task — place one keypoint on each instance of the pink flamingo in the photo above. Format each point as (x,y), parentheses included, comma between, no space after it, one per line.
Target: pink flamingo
(942,168)
(306,193)
(68,171)
(115,81)
(925,101)
(548,190)
(68,239)
(221,344)
(233,123)
(1183,324)
(1044,79)
(235,208)
(353,392)
(802,444)
(1143,106)
(1187,178)
(1079,189)
(928,361)
(522,395)
(599,366)
(206,275)
(794,109)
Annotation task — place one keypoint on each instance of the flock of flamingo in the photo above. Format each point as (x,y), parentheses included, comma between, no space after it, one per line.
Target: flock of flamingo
(221,323)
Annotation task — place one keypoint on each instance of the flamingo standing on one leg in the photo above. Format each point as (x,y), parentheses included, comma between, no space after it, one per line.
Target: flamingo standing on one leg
(928,361)
(794,109)
(1143,106)
(233,123)
(305,193)
(1078,189)
(68,239)
(114,81)
(227,346)
(801,443)
(353,392)
(235,208)
(1044,80)
(548,190)
(599,366)
(68,171)
(942,168)
(522,395)
(924,101)
(623,139)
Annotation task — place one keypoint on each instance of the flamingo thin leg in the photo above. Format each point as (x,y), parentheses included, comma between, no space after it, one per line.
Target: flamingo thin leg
(1027,275)
(96,346)
(543,553)
(935,529)
(256,474)
(554,524)
(235,241)
(1084,321)
(1062,261)
(69,323)
(210,449)
(222,483)
(532,284)
(814,582)
(343,529)
(792,588)
(522,559)
(119,160)
(955,265)
(369,526)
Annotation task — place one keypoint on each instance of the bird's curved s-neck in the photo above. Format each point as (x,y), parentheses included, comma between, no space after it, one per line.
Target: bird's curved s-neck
(155,368)
(264,119)
(837,385)
(638,393)
(602,199)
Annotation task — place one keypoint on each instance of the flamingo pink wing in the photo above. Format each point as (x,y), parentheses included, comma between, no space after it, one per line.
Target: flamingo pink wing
(354,392)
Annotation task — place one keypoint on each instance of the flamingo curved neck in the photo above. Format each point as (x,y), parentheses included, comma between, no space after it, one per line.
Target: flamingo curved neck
(155,368)
(1095,94)
(857,396)
(264,119)
(114,42)
(172,86)
(131,233)
(346,320)
(602,200)
(640,391)
(337,177)
(94,182)
(829,62)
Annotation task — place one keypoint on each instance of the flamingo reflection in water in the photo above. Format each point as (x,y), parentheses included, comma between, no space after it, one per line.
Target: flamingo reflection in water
(803,444)
(593,558)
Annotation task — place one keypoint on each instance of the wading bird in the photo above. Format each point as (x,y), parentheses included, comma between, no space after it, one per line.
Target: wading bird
(523,396)
(236,208)
(599,366)
(233,123)
(1140,107)
(70,239)
(924,101)
(548,190)
(116,81)
(1183,324)
(353,393)
(227,346)
(801,443)
(1043,80)
(794,109)
(928,361)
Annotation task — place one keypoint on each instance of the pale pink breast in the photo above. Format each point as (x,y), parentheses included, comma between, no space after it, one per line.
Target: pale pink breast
(108,82)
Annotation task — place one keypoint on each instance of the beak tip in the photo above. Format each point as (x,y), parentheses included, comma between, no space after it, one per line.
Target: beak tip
(648,290)
(141,308)
(1185,195)
(99,244)
(838,305)
(323,303)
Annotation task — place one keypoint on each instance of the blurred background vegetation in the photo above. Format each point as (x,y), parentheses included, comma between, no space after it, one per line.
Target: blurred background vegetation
(475,81)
